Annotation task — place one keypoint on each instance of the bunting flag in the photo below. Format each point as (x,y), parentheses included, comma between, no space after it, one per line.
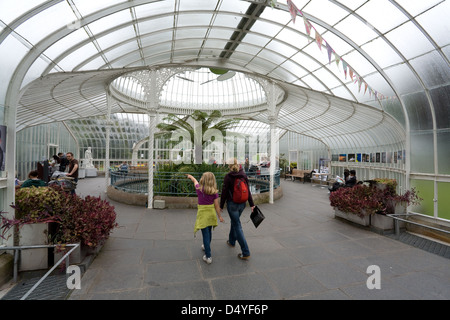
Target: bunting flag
(292,9)
(330,51)
(345,65)
(307,26)
(319,40)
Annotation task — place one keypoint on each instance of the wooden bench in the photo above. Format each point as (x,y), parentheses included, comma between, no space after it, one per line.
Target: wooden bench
(297,173)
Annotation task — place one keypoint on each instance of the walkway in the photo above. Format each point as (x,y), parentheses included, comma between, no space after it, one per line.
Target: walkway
(299,252)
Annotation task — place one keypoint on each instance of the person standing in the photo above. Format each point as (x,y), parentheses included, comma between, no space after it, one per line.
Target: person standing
(208,206)
(73,169)
(235,209)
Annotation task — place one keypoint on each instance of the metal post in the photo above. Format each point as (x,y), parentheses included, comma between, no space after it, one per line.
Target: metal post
(397,229)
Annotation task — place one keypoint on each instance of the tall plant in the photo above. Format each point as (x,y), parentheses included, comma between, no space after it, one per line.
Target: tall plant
(208,121)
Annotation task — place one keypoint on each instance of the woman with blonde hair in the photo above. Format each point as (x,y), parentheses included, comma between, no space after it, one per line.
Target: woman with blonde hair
(208,206)
(234,208)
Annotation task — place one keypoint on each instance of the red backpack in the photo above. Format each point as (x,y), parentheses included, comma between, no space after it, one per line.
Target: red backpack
(240,191)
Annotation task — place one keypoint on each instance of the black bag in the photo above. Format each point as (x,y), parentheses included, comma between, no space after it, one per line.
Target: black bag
(257,216)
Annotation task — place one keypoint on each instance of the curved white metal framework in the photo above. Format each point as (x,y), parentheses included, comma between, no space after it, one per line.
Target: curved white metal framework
(59,57)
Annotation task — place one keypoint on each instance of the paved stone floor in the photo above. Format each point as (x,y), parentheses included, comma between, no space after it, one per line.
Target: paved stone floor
(299,252)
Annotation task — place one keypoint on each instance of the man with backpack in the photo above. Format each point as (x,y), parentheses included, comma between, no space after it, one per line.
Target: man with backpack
(236,192)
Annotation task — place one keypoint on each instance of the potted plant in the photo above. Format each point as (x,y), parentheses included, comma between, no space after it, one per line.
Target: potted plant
(68,218)
(355,204)
(369,205)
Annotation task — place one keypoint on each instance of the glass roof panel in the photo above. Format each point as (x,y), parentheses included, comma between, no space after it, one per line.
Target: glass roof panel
(196,5)
(162,36)
(255,39)
(382,53)
(326,11)
(327,78)
(432,69)
(266,28)
(197,19)
(155,8)
(415,7)
(292,37)
(281,48)
(46,22)
(111,38)
(409,82)
(234,6)
(360,64)
(305,61)
(72,60)
(65,43)
(313,83)
(409,40)
(438,31)
(391,16)
(153,25)
(356,30)
(110,21)
(88,7)
(352,4)
(11,12)
(280,16)
(220,33)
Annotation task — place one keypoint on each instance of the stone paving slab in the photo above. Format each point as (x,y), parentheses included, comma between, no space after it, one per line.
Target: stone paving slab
(300,252)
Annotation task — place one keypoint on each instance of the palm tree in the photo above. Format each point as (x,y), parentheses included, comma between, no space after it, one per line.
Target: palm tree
(211,121)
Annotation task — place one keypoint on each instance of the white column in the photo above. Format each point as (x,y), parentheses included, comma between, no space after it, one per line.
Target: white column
(273,154)
(151,141)
(108,133)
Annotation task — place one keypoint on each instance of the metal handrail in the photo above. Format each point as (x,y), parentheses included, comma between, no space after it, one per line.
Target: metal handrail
(16,259)
(397,227)
(129,182)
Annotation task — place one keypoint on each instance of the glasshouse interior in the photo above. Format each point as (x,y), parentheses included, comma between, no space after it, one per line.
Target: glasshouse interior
(138,89)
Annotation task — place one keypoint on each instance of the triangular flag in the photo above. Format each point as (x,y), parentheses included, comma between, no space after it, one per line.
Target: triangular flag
(351,72)
(338,59)
(330,51)
(365,90)
(307,26)
(344,65)
(319,40)
(292,9)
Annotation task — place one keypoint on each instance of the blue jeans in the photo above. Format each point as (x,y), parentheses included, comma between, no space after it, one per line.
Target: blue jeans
(236,233)
(207,236)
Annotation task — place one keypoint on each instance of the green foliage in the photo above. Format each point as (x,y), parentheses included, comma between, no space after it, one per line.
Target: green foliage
(170,179)
(87,220)
(365,200)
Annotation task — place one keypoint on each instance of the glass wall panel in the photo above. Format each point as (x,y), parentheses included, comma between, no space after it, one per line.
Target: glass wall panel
(419,111)
(425,189)
(443,151)
(441,102)
(422,152)
(443,200)
(432,69)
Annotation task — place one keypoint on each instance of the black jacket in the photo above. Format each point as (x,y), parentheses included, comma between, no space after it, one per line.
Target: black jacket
(228,186)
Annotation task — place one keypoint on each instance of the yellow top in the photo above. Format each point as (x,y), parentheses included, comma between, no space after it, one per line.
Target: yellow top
(206,217)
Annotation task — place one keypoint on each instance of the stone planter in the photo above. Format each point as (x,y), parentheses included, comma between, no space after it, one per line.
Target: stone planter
(364,221)
(383,223)
(30,235)
(74,258)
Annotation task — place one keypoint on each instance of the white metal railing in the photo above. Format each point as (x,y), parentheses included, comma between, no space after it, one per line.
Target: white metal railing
(17,249)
